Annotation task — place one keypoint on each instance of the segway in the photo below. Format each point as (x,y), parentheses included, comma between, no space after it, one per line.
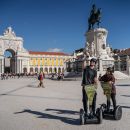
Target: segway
(90,118)
(116,113)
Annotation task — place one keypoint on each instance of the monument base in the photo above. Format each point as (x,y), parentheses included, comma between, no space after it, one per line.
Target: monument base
(97,47)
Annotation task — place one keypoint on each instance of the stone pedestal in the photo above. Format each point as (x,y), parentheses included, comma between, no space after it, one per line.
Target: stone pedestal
(96,46)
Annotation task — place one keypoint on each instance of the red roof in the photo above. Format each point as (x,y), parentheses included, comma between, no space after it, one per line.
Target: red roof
(48,53)
(125,52)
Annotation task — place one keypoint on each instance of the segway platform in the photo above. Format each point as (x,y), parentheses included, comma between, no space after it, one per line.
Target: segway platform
(90,118)
(111,113)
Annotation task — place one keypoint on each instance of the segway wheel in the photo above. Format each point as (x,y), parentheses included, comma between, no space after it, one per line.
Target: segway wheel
(82,120)
(103,107)
(118,113)
(99,115)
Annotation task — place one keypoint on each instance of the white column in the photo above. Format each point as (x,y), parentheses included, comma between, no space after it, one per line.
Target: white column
(18,66)
(38,69)
(57,68)
(28,66)
(0,66)
(119,67)
(15,65)
(100,65)
(21,66)
(2,63)
(61,69)
(128,65)
(128,70)
(52,68)
(48,69)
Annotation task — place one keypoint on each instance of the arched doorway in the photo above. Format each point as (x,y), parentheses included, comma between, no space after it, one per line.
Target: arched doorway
(41,69)
(24,70)
(9,61)
(36,70)
(50,70)
(55,70)
(59,70)
(46,70)
(31,70)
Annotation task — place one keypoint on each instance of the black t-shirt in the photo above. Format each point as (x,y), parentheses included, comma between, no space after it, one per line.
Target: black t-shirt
(88,76)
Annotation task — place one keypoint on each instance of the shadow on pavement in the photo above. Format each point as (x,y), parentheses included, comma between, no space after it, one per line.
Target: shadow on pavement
(32,86)
(123,85)
(49,116)
(127,107)
(59,111)
(109,118)
(14,90)
(125,95)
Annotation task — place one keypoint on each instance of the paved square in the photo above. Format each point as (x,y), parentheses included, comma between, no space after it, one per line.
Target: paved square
(23,106)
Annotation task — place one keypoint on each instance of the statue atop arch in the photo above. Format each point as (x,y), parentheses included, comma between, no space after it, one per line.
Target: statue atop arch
(95,17)
(9,32)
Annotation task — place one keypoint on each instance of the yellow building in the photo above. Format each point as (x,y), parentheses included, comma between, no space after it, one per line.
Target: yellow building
(48,62)
(24,61)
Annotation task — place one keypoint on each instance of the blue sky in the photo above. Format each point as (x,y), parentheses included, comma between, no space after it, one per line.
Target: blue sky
(48,24)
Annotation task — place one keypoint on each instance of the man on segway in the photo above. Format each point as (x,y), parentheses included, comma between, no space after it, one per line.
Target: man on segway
(89,78)
(108,85)
(109,78)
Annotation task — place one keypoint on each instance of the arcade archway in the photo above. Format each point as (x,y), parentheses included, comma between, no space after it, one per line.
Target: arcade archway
(9,61)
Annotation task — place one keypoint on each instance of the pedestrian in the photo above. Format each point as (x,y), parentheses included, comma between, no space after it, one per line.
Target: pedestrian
(109,78)
(89,78)
(41,76)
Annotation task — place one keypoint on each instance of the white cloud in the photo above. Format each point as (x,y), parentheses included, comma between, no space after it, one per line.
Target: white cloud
(54,50)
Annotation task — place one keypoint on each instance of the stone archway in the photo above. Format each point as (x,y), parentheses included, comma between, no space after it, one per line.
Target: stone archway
(19,55)
(31,70)
(50,70)
(36,70)
(9,61)
(59,70)
(24,70)
(55,70)
(41,69)
(46,70)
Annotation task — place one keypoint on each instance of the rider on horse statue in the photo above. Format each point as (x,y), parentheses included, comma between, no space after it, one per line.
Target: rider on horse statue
(95,16)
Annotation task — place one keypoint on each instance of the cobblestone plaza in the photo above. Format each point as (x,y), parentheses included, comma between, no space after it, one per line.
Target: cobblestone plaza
(55,107)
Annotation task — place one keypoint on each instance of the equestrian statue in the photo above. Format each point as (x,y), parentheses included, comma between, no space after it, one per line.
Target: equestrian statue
(95,17)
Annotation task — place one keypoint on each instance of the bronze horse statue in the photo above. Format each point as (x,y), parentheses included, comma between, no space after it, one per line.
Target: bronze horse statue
(95,17)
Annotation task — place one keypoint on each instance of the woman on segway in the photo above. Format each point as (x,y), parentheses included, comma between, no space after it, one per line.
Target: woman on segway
(109,78)
(89,78)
